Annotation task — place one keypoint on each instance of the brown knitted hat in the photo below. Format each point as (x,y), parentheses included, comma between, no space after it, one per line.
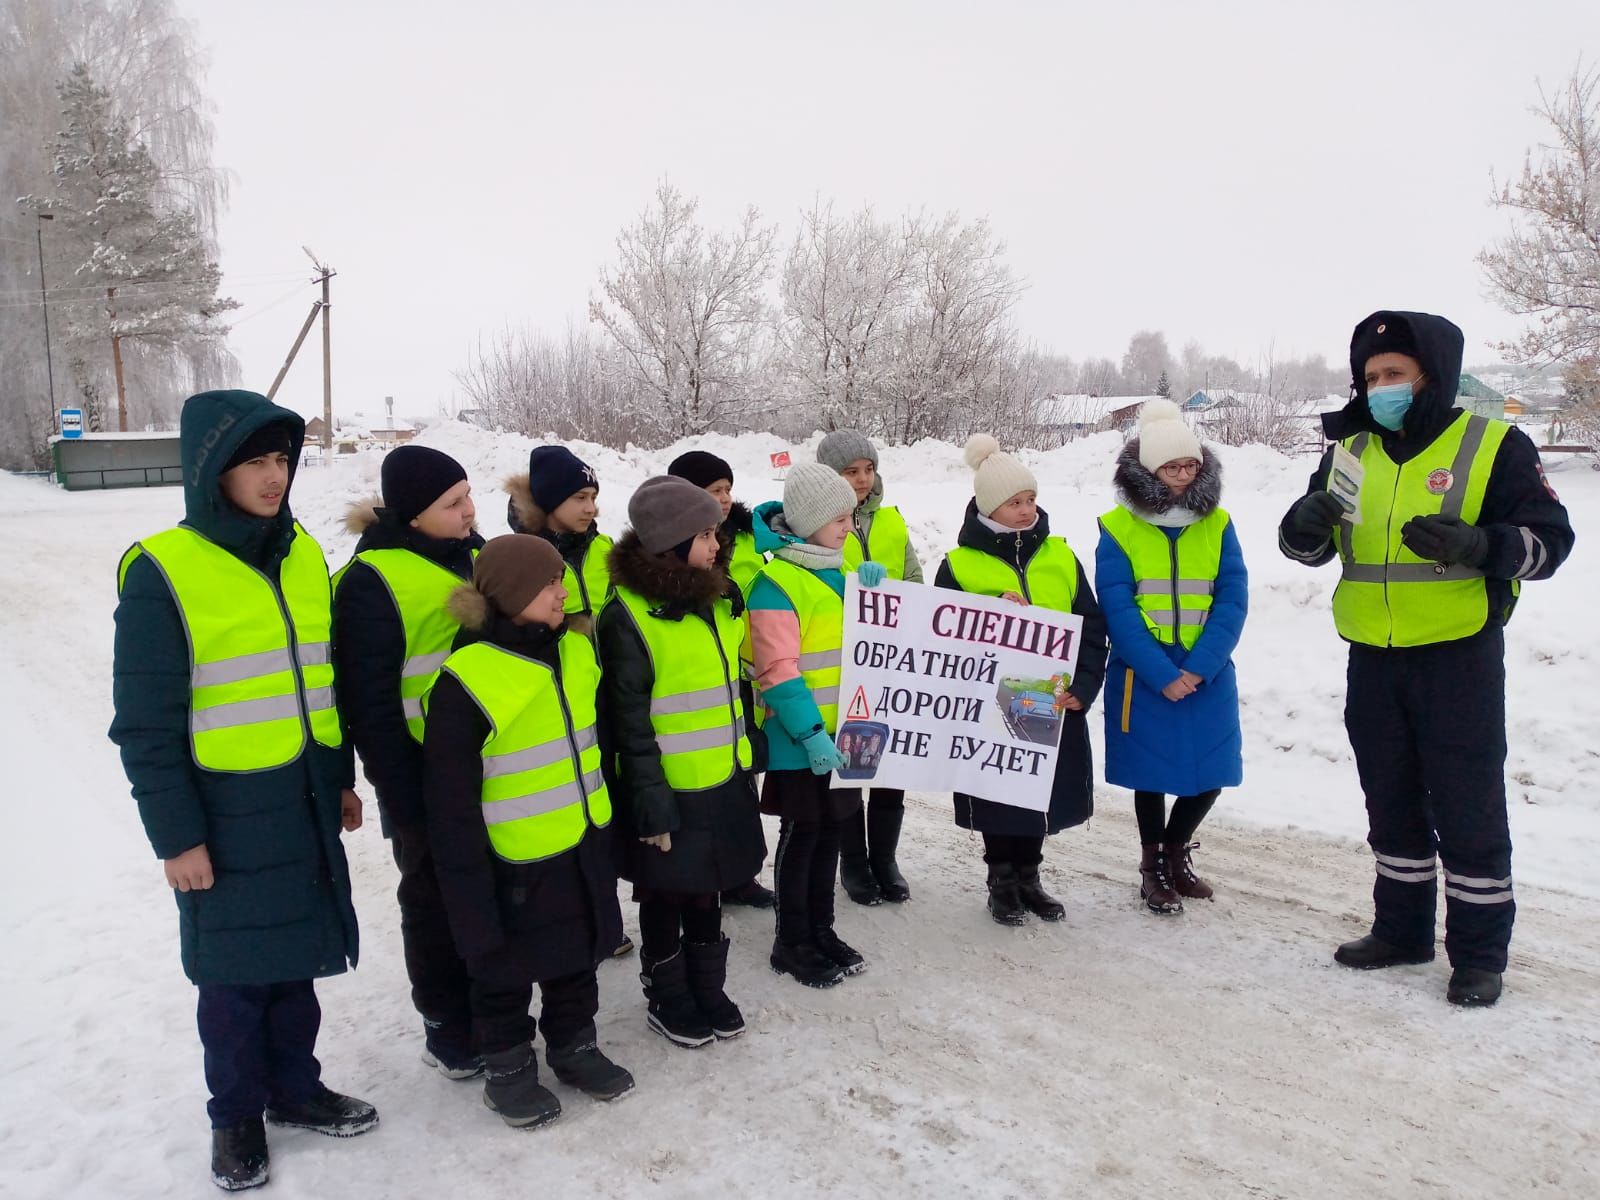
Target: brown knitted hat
(514,568)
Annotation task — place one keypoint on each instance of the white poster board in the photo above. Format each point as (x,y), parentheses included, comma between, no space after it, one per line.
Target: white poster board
(946,691)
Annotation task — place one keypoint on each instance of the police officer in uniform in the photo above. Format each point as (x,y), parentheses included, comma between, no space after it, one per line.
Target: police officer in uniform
(1452,515)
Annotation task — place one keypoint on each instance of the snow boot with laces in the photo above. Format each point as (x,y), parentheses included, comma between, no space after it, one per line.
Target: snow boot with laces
(1155,882)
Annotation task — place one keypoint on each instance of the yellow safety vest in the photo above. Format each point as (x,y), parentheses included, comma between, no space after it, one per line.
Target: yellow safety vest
(419,588)
(1388,596)
(746,562)
(1174,579)
(821,613)
(260,666)
(1050,578)
(542,786)
(589,585)
(887,539)
(694,697)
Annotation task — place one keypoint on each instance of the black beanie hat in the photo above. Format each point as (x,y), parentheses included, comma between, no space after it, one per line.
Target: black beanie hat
(701,468)
(555,474)
(272,438)
(1381,333)
(414,477)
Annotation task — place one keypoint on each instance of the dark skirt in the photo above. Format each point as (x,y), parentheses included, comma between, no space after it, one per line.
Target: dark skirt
(802,796)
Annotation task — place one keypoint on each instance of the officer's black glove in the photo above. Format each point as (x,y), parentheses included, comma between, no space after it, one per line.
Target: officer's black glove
(1447,540)
(1316,515)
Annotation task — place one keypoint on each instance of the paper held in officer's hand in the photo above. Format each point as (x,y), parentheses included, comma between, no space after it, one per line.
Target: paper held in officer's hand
(1344,481)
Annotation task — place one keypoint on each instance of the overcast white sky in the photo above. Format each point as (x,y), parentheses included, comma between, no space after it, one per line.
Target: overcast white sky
(1237,173)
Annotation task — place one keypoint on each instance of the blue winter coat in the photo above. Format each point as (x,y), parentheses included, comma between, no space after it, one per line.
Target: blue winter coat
(1192,745)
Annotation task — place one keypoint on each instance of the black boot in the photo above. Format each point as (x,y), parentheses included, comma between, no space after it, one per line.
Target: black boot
(672,1011)
(1371,952)
(1005,900)
(450,1054)
(624,947)
(883,839)
(328,1112)
(833,946)
(582,1066)
(708,975)
(750,895)
(855,872)
(1472,987)
(1035,899)
(239,1156)
(806,963)
(511,1088)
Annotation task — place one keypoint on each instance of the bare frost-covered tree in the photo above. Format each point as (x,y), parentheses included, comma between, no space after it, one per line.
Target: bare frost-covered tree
(1548,268)
(687,313)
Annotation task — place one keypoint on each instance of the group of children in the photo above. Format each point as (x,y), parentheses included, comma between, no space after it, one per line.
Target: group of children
(544,711)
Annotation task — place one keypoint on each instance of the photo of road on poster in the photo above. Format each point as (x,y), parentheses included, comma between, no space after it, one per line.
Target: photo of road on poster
(946,691)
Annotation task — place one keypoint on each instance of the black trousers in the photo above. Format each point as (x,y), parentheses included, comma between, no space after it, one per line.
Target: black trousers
(501,1020)
(259,1042)
(804,870)
(1428,728)
(440,985)
(1026,850)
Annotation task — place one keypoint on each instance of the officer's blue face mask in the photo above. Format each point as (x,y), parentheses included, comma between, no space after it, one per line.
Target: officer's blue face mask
(1390,404)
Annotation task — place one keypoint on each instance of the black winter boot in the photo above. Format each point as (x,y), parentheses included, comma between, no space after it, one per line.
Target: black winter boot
(672,1011)
(1035,899)
(328,1112)
(749,895)
(1472,987)
(883,839)
(583,1066)
(708,974)
(855,872)
(833,946)
(511,1088)
(1371,953)
(806,963)
(1005,899)
(239,1156)
(1155,882)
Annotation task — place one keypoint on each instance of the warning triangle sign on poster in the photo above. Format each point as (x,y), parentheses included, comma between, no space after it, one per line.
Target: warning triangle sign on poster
(858,710)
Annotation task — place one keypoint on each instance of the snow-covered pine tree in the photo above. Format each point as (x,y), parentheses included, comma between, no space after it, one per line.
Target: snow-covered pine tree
(138,252)
(1164,386)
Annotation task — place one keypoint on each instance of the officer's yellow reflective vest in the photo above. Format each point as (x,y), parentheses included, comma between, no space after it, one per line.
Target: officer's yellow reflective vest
(695,708)
(1388,596)
(1174,579)
(260,662)
(542,786)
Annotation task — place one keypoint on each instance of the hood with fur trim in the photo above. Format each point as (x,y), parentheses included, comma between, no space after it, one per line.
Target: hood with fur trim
(1139,489)
(524,516)
(739,520)
(378,529)
(481,623)
(665,579)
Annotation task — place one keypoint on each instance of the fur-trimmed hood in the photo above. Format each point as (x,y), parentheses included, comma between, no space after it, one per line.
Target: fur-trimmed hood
(524,516)
(739,520)
(480,622)
(1142,493)
(666,580)
(378,529)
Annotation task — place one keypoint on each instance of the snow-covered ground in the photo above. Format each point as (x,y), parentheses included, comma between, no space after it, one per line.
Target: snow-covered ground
(1220,1052)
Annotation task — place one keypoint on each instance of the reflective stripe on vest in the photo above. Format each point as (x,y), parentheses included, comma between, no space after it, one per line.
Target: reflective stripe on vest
(589,586)
(260,662)
(542,786)
(419,588)
(694,695)
(1173,578)
(821,614)
(886,543)
(1388,596)
(746,562)
(1049,578)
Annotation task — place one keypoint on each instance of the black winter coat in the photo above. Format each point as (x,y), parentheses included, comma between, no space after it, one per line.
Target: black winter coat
(369,647)
(1529,531)
(1072,792)
(717,840)
(280,908)
(513,923)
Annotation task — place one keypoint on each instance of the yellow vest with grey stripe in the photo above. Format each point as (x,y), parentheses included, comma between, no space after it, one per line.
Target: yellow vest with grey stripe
(694,694)
(590,583)
(1050,577)
(1173,578)
(1388,596)
(542,787)
(887,538)
(260,667)
(821,613)
(419,588)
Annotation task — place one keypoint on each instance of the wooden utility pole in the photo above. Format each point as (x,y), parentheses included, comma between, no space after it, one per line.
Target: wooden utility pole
(116,361)
(316,307)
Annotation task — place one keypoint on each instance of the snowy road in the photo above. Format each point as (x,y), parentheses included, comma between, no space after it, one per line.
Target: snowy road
(1220,1053)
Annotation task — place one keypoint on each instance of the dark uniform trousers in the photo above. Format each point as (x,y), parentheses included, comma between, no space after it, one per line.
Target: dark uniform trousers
(440,986)
(1428,728)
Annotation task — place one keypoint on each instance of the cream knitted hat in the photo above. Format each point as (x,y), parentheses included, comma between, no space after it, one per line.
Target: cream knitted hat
(997,476)
(1163,437)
